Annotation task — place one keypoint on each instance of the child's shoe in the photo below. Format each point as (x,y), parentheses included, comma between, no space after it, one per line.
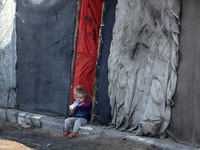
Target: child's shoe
(66,133)
(73,134)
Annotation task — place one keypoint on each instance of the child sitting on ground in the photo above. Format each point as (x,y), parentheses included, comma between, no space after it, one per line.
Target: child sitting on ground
(81,114)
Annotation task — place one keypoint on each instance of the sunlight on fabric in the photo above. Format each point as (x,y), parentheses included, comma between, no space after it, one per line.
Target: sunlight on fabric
(38,2)
(12,145)
(6,22)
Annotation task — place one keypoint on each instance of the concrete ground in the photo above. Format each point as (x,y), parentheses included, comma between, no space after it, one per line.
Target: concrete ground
(56,124)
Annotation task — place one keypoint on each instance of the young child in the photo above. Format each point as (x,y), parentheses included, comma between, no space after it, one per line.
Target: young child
(81,114)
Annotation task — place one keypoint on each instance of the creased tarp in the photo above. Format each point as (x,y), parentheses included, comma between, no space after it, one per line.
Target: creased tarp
(102,109)
(142,65)
(184,126)
(45,47)
(90,20)
(7,53)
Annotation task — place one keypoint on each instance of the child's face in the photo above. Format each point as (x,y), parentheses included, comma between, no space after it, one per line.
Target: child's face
(80,97)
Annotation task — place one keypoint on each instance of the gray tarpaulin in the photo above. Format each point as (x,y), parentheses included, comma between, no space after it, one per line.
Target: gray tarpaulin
(102,110)
(143,65)
(184,126)
(45,31)
(7,53)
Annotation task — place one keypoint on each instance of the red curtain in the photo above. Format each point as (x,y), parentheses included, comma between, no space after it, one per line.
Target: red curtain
(90,20)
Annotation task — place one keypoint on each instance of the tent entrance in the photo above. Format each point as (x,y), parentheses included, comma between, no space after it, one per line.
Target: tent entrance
(86,53)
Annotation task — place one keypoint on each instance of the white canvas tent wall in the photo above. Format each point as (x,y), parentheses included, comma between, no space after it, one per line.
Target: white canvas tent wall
(143,65)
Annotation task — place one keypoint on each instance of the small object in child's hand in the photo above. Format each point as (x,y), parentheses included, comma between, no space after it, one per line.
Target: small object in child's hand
(71,107)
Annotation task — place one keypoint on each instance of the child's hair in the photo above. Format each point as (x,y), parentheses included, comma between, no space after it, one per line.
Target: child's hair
(82,91)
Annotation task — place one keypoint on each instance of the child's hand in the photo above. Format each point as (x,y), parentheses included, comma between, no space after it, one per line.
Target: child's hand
(71,112)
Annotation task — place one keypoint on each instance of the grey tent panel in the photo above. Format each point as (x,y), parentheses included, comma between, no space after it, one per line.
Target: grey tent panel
(184,126)
(45,31)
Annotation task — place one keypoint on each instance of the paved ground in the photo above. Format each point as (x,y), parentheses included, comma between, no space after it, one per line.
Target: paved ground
(14,137)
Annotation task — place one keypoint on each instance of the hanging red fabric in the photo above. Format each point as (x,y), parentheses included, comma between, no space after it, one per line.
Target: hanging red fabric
(90,20)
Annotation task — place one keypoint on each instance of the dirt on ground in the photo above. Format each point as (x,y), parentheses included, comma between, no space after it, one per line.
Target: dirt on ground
(15,137)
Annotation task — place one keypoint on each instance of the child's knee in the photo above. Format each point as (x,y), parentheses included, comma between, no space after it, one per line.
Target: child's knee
(82,121)
(67,121)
